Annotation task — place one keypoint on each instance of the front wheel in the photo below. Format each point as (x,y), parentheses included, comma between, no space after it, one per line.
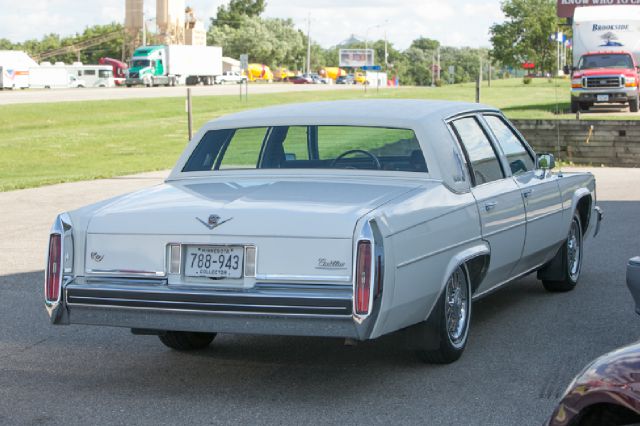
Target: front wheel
(633,104)
(570,260)
(449,321)
(186,340)
(575,106)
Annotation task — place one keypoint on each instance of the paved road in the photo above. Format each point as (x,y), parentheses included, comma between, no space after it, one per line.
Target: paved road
(8,97)
(524,348)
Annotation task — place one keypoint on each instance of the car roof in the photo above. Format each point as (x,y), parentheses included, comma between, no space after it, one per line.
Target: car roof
(373,112)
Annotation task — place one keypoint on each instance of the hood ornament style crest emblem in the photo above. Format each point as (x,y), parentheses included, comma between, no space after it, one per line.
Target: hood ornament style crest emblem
(213,221)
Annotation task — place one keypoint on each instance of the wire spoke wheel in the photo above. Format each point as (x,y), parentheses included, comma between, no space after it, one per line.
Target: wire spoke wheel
(456,308)
(573,251)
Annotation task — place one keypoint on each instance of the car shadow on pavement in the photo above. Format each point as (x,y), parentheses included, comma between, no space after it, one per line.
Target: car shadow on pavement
(27,325)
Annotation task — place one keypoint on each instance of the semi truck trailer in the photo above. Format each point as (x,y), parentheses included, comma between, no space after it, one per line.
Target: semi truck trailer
(174,64)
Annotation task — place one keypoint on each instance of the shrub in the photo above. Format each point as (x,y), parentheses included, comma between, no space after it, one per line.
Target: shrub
(527,80)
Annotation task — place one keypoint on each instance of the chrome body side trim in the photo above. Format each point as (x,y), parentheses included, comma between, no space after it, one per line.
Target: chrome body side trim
(298,278)
(436,252)
(125,272)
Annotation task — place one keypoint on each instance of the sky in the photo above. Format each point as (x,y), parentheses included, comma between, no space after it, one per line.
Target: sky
(453,23)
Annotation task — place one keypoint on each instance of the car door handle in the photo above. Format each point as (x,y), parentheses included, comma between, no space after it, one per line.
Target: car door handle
(490,205)
(527,193)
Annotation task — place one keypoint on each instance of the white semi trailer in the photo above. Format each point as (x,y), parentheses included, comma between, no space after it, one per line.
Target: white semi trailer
(174,64)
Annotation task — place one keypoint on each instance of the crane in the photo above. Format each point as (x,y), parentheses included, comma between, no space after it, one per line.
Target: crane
(78,47)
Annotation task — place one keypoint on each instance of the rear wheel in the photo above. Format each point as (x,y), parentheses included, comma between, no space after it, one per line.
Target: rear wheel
(186,340)
(450,320)
(570,260)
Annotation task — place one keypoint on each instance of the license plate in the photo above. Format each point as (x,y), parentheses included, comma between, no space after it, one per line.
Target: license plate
(602,98)
(214,261)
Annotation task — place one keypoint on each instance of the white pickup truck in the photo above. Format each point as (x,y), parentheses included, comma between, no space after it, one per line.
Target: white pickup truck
(231,77)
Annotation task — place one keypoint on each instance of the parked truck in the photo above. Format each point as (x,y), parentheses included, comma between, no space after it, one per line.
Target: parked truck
(174,64)
(606,45)
(119,69)
(93,75)
(50,77)
(259,72)
(14,69)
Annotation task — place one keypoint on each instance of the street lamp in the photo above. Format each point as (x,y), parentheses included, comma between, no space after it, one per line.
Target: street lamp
(366,41)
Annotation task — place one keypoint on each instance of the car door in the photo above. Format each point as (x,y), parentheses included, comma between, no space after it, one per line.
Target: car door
(540,192)
(498,198)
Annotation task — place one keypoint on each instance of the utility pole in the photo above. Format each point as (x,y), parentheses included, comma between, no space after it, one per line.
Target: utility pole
(386,53)
(489,79)
(308,70)
(557,37)
(433,69)
(438,70)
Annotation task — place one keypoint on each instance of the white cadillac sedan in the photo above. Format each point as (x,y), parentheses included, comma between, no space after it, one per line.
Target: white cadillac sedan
(348,219)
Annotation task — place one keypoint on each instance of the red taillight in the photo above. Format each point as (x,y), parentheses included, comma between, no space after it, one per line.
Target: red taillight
(363,278)
(54,268)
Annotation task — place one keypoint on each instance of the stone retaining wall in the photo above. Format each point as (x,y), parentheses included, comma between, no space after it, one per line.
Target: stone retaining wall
(609,143)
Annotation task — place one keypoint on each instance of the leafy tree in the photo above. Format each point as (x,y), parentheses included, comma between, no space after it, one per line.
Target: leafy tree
(232,14)
(425,44)
(6,44)
(274,42)
(524,36)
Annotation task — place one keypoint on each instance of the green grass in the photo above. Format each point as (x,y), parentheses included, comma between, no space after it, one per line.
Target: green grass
(69,141)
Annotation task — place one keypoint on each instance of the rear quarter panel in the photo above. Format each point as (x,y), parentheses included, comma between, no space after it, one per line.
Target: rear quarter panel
(426,235)
(573,187)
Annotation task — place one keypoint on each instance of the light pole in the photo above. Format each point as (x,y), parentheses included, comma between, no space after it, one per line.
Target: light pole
(308,44)
(366,40)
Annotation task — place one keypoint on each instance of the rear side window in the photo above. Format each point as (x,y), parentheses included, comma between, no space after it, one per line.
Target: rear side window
(483,160)
(519,158)
(227,149)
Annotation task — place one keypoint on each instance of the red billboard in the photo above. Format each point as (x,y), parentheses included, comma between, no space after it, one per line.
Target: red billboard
(566,7)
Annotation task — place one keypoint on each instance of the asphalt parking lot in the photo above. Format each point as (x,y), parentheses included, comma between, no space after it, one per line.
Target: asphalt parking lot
(524,348)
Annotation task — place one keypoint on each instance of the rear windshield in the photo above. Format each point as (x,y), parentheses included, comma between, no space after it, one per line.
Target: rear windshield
(605,61)
(308,147)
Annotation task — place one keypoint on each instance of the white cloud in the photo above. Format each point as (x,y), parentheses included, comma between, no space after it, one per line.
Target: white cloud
(332,21)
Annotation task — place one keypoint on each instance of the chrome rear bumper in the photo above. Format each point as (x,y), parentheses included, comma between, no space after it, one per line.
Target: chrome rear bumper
(279,309)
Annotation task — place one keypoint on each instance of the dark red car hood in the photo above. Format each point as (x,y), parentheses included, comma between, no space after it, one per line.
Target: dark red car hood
(613,378)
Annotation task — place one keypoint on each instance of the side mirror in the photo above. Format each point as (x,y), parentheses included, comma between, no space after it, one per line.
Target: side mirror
(546,162)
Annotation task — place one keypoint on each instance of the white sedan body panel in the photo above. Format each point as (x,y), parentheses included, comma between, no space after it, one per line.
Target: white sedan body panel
(305,227)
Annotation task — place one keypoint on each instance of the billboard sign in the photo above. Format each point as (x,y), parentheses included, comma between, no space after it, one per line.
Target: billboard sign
(566,8)
(356,58)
